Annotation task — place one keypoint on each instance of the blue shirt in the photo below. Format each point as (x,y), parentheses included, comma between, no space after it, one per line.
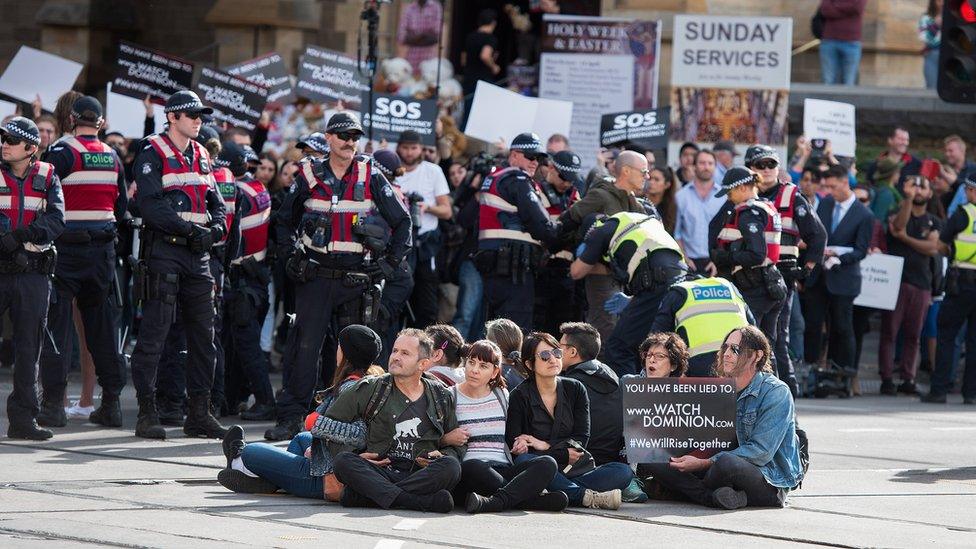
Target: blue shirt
(694,215)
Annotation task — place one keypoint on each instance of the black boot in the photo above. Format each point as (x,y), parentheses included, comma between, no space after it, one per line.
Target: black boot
(550,501)
(147,425)
(286,429)
(109,413)
(199,421)
(28,431)
(170,411)
(233,444)
(52,412)
(480,504)
(259,412)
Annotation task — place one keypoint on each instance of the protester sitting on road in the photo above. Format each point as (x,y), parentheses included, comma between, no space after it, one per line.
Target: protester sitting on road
(508,336)
(305,468)
(490,481)
(550,415)
(446,360)
(766,464)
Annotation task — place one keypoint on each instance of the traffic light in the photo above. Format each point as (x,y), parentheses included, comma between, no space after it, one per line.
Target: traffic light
(957,55)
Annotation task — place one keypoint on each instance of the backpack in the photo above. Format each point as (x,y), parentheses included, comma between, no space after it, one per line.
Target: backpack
(804,449)
(817,25)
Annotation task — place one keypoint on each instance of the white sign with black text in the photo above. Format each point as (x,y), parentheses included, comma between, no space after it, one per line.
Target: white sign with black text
(880,281)
(830,120)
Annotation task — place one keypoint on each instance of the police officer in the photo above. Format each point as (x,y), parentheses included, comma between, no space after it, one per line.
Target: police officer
(183,216)
(93,181)
(957,241)
(313,146)
(746,250)
(702,311)
(799,222)
(513,232)
(556,296)
(329,208)
(31,217)
(646,260)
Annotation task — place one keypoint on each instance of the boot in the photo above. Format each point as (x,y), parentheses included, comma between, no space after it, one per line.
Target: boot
(199,421)
(259,412)
(52,413)
(28,431)
(480,504)
(170,411)
(286,429)
(550,501)
(109,413)
(147,424)
(602,500)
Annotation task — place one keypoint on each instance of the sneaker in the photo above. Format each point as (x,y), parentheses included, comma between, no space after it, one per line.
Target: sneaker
(233,443)
(908,388)
(75,411)
(634,492)
(728,498)
(888,387)
(602,500)
(237,481)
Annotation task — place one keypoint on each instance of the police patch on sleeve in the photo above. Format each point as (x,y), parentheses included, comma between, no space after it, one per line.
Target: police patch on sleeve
(146,168)
(387,191)
(753,228)
(801,211)
(533,197)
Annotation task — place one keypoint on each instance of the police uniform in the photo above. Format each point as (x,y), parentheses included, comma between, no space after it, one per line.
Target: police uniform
(702,311)
(313,145)
(183,215)
(513,236)
(333,267)
(31,218)
(646,260)
(93,182)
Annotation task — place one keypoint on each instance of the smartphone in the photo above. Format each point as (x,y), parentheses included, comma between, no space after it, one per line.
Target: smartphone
(930,169)
(818,144)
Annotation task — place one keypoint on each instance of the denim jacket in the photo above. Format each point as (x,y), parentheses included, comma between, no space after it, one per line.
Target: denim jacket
(327,429)
(765,424)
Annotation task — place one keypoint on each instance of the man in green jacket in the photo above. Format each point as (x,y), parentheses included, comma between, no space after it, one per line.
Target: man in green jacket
(404,465)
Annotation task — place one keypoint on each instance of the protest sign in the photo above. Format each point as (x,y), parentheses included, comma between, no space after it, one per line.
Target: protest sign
(142,71)
(33,73)
(327,76)
(670,417)
(269,71)
(830,120)
(644,129)
(127,115)
(234,100)
(880,281)
(719,51)
(392,114)
(600,65)
(7,108)
(497,113)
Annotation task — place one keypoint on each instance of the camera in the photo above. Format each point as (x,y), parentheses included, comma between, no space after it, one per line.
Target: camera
(481,164)
(415,199)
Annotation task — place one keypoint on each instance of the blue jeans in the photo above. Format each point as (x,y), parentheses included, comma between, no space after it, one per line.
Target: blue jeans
(930,69)
(609,476)
(839,61)
(469,316)
(797,326)
(288,470)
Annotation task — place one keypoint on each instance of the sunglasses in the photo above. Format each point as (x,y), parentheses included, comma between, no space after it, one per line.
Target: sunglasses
(13,141)
(348,136)
(765,164)
(736,349)
(534,157)
(192,115)
(549,353)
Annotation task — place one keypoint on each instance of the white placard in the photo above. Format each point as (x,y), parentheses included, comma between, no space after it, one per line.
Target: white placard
(7,108)
(127,115)
(34,72)
(521,114)
(719,51)
(830,120)
(880,281)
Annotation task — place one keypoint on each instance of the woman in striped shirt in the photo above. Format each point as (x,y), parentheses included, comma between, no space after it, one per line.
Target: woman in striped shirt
(490,482)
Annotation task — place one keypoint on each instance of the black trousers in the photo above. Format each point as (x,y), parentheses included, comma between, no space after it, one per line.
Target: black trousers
(382,485)
(25,296)
(632,328)
(245,308)
(957,311)
(426,279)
(781,350)
(556,299)
(84,272)
(512,484)
(728,470)
(838,311)
(506,299)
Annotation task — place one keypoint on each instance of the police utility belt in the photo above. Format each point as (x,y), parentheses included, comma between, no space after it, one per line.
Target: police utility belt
(82,236)
(956,277)
(649,278)
(513,258)
(22,261)
(763,276)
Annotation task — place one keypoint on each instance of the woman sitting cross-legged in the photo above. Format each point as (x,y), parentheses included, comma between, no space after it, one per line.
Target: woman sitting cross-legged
(549,415)
(490,481)
(305,468)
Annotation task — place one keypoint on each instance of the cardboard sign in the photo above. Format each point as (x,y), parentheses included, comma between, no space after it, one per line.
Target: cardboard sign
(392,114)
(327,76)
(127,115)
(142,71)
(234,100)
(521,114)
(269,71)
(880,281)
(719,51)
(830,120)
(34,72)
(644,129)
(670,417)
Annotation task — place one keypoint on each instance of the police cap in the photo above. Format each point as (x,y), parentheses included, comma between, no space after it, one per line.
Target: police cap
(315,142)
(344,122)
(568,164)
(387,162)
(758,152)
(735,177)
(87,108)
(186,101)
(529,144)
(22,128)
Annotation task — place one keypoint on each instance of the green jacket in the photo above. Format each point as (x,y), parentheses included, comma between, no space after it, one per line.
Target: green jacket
(351,404)
(603,198)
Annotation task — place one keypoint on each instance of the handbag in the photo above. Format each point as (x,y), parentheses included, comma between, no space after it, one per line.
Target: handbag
(817,25)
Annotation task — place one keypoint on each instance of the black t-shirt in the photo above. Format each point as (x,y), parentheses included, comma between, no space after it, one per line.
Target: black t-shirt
(411,424)
(917,270)
(474,68)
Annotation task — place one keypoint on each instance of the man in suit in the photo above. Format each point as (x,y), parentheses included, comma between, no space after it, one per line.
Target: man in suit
(832,286)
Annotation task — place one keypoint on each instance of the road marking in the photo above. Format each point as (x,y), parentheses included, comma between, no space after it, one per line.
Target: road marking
(389,544)
(954,428)
(409,524)
(865,430)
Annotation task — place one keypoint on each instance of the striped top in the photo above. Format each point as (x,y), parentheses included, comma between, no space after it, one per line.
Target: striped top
(484,419)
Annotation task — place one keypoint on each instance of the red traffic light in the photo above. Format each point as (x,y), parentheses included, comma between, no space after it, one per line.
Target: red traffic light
(965,10)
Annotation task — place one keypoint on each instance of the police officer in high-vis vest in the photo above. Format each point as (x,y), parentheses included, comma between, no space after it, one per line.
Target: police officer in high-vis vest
(702,311)
(93,181)
(183,216)
(31,218)
(514,233)
(958,242)
(748,248)
(800,223)
(334,265)
(646,260)
(556,297)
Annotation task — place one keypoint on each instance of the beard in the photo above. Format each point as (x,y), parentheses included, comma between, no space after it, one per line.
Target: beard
(920,202)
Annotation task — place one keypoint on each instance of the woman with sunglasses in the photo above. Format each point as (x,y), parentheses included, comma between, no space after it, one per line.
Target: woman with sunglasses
(766,465)
(549,415)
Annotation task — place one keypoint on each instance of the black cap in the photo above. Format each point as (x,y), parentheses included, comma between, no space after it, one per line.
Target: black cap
(87,108)
(186,101)
(408,137)
(568,164)
(314,141)
(725,145)
(736,176)
(757,152)
(970,180)
(360,344)
(22,128)
(343,122)
(207,133)
(230,153)
(387,162)
(250,156)
(528,143)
